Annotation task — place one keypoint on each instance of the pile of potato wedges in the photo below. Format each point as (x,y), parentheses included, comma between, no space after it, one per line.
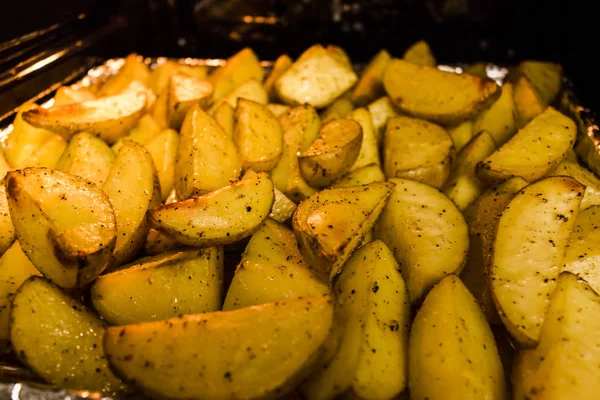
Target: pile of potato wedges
(405,232)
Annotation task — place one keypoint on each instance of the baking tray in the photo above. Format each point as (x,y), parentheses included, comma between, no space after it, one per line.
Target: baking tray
(17,383)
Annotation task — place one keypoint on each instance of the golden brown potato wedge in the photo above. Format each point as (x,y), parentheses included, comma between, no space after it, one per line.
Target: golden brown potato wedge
(163,149)
(240,68)
(206,157)
(325,235)
(369,148)
(546,78)
(529,250)
(65,225)
(361,176)
(381,111)
(24,139)
(60,339)
(338,109)
(317,78)
(189,282)
(565,363)
(250,90)
(591,196)
(7,229)
(132,187)
(134,69)
(183,92)
(333,152)
(370,85)
(463,185)
(426,232)
(533,151)
(278,109)
(339,54)
(48,154)
(108,118)
(159,76)
(272,269)
(582,254)
(499,120)
(68,95)
(137,86)
(283,208)
(158,243)
(482,217)
(300,127)
(528,103)
(159,112)
(225,117)
(15,268)
(443,97)
(452,351)
(461,134)
(145,130)
(371,360)
(257,136)
(199,356)
(4,166)
(220,217)
(420,54)
(88,157)
(281,65)
(417,150)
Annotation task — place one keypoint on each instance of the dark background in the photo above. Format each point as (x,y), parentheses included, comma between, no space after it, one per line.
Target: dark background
(457,30)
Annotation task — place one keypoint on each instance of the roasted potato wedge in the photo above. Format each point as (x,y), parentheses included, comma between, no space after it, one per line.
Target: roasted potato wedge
(220,217)
(60,339)
(325,235)
(369,148)
(565,363)
(250,90)
(529,249)
(339,54)
(48,154)
(317,78)
(333,152)
(189,282)
(443,97)
(381,111)
(145,130)
(582,254)
(441,245)
(132,187)
(283,208)
(137,86)
(206,159)
(158,243)
(463,185)
(533,151)
(198,356)
(183,92)
(452,351)
(278,109)
(361,176)
(372,355)
(108,118)
(24,139)
(272,269)
(257,136)
(15,268)
(370,86)
(134,69)
(546,78)
(528,103)
(281,65)
(300,127)
(159,76)
(159,111)
(338,109)
(7,229)
(68,95)
(225,117)
(420,54)
(591,196)
(240,68)
(417,150)
(461,134)
(65,225)
(482,217)
(499,120)
(88,157)
(4,167)
(163,149)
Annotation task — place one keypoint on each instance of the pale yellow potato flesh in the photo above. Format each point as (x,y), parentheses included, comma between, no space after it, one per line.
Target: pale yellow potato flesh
(239,68)
(361,176)
(499,120)
(281,65)
(68,95)
(565,363)
(317,78)
(283,208)
(369,148)
(443,97)
(163,149)
(426,232)
(108,118)
(529,250)
(65,225)
(420,54)
(145,130)
(546,78)
(533,151)
(370,86)
(326,236)
(88,157)
(24,139)
(138,86)
(591,196)
(134,69)
(48,154)
(7,229)
(527,102)
(207,159)
(60,339)
(220,217)
(338,109)
(582,256)
(452,351)
(417,150)
(188,282)
(381,111)
(4,166)
(272,269)
(225,117)
(257,136)
(159,76)
(462,134)
(183,92)
(224,355)
(250,90)
(278,109)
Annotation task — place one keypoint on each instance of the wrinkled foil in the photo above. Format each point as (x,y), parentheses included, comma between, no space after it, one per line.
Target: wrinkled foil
(588,149)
